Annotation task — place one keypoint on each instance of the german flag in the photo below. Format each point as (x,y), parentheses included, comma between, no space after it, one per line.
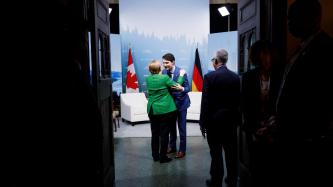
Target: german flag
(197,80)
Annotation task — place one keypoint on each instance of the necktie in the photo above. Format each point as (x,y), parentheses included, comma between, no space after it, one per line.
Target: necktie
(169,73)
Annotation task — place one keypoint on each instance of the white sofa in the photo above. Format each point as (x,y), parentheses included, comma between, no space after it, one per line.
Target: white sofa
(193,112)
(134,107)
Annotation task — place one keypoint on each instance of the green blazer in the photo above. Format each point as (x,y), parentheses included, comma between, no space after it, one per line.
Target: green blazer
(158,93)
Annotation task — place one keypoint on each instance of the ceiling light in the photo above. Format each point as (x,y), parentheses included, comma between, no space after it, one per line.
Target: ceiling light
(224,11)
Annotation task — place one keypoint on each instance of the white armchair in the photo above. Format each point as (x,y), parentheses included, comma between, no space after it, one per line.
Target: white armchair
(193,112)
(134,107)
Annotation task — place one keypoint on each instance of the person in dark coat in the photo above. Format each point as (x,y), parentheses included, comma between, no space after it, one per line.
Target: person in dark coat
(304,103)
(259,91)
(219,118)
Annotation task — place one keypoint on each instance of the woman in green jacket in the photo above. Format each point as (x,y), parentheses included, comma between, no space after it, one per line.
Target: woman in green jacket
(161,109)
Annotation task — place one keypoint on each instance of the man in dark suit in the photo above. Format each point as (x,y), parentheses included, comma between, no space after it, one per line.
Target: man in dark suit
(304,104)
(219,118)
(182,101)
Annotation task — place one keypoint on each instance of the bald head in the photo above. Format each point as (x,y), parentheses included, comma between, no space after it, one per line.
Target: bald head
(222,56)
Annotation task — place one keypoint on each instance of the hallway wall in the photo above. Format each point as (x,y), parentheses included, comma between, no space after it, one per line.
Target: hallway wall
(327,20)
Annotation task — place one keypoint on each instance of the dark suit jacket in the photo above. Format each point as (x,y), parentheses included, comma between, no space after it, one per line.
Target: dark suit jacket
(305,105)
(182,99)
(250,97)
(220,99)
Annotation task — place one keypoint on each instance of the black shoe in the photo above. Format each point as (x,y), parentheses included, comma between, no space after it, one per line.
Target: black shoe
(165,160)
(229,182)
(210,183)
(226,180)
(156,159)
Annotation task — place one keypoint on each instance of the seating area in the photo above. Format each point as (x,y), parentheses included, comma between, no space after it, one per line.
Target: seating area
(133,107)
(193,112)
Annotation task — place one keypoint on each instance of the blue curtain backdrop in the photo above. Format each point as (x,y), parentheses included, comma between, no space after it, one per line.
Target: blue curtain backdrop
(227,41)
(154,27)
(115,51)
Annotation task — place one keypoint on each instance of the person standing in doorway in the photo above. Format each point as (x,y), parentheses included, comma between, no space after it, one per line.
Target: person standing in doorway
(259,91)
(182,101)
(304,103)
(219,118)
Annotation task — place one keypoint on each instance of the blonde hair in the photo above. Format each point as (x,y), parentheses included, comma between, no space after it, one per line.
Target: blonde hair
(155,67)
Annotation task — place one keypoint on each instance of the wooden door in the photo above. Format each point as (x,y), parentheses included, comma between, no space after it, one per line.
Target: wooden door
(101,82)
(249,31)
(258,19)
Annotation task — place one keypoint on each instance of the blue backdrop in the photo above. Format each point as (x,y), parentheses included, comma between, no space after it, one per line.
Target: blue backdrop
(152,28)
(227,41)
(115,51)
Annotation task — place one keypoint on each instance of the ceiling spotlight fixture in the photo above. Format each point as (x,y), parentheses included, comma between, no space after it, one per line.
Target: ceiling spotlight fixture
(224,11)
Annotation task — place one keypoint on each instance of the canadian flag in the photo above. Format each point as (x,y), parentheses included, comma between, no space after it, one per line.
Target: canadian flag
(131,80)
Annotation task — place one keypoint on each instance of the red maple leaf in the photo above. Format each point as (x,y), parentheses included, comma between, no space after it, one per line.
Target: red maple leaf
(131,81)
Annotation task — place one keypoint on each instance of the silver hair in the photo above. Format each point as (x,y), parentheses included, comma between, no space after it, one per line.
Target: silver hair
(222,56)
